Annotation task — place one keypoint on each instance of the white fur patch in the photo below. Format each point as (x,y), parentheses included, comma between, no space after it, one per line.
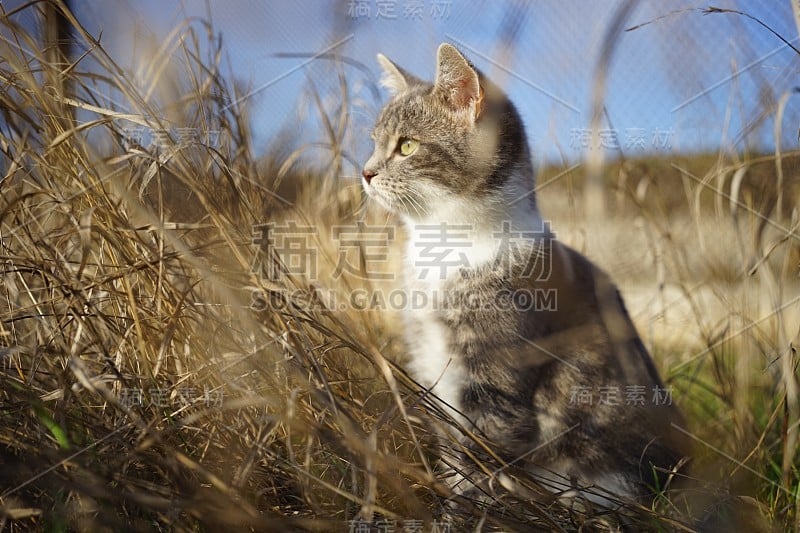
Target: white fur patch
(392,78)
(432,363)
(462,233)
(459,233)
(438,248)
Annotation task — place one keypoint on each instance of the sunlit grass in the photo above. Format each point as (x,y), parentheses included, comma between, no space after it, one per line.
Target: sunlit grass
(156,376)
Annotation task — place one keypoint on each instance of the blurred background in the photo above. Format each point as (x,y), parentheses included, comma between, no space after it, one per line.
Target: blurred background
(146,145)
(679,80)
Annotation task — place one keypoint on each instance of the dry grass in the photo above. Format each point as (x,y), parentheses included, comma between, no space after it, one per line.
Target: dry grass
(155,377)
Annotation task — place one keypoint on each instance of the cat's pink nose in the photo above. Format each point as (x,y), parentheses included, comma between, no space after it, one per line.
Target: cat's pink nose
(368,174)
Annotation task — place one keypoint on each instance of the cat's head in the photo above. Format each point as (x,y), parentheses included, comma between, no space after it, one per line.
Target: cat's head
(459,138)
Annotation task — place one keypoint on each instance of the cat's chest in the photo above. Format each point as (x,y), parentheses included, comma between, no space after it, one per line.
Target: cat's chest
(436,253)
(434,361)
(449,316)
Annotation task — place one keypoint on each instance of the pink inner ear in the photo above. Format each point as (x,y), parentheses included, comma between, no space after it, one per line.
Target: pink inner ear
(462,93)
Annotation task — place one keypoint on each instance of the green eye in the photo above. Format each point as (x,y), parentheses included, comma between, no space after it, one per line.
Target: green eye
(407,146)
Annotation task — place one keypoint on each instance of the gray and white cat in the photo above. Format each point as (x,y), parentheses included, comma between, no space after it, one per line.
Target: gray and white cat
(519,335)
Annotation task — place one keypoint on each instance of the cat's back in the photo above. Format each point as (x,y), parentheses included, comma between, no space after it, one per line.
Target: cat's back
(587,317)
(599,374)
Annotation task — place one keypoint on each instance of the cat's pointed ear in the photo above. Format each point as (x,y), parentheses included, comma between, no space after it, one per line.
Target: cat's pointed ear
(457,80)
(394,78)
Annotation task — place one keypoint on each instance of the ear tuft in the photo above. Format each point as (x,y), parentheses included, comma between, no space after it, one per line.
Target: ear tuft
(457,80)
(393,77)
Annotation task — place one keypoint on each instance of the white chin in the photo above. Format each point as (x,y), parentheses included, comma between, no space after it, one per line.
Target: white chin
(373,193)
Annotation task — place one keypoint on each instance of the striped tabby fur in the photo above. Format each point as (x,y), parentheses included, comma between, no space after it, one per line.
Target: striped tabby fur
(511,372)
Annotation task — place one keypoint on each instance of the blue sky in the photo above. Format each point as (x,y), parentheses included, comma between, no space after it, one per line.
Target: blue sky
(672,85)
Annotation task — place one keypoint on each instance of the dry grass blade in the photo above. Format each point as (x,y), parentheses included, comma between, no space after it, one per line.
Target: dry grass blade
(161,369)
